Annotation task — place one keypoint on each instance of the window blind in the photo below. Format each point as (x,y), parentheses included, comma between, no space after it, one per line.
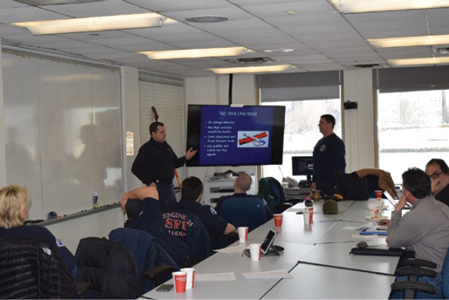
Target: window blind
(167,96)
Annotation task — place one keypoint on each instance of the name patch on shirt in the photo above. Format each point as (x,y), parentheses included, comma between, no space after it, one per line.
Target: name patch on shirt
(59,243)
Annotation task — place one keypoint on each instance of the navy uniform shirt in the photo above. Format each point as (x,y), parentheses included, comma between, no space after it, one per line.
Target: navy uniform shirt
(37,232)
(214,223)
(156,161)
(150,220)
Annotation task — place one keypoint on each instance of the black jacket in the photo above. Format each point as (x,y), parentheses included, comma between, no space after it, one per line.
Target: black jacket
(156,161)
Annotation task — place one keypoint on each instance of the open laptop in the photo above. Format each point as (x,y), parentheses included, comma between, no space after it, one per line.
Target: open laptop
(393,201)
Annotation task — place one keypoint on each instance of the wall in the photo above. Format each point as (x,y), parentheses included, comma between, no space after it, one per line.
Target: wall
(359,131)
(2,128)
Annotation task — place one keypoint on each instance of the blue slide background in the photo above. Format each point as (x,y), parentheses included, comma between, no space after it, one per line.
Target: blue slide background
(220,127)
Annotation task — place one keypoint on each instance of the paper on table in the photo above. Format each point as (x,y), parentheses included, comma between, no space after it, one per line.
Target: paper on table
(215,277)
(236,249)
(275,274)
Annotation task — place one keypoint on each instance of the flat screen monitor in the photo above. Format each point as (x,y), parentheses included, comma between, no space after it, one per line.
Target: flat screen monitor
(302,165)
(235,135)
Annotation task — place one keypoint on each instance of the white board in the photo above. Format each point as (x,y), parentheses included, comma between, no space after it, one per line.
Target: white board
(62,132)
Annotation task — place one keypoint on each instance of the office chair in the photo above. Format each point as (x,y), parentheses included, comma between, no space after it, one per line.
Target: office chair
(271,190)
(416,279)
(32,268)
(244,211)
(189,228)
(109,268)
(154,264)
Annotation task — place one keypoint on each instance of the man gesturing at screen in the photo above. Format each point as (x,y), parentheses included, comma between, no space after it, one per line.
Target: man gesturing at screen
(156,162)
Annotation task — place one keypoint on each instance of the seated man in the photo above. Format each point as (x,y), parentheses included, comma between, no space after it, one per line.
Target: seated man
(425,228)
(191,192)
(144,213)
(241,185)
(438,172)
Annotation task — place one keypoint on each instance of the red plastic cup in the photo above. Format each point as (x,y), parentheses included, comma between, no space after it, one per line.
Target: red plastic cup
(180,280)
(378,193)
(277,220)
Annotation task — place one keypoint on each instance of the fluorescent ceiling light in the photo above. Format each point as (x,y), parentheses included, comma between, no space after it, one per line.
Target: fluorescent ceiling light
(419,61)
(93,24)
(197,53)
(425,40)
(360,6)
(259,69)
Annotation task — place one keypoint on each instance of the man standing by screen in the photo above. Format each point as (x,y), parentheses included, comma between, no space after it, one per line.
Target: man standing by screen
(156,162)
(328,157)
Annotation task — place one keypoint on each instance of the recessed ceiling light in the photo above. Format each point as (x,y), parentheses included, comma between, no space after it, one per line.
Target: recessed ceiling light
(419,61)
(291,12)
(54,2)
(259,69)
(207,19)
(118,22)
(407,41)
(196,53)
(360,6)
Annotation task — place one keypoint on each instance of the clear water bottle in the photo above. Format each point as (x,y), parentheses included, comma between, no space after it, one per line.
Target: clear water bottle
(95,200)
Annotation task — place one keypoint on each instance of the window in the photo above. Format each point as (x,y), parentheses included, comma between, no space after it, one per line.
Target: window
(301,131)
(413,127)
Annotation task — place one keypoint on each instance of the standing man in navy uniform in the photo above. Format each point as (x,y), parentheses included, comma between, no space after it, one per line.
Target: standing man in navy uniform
(328,158)
(156,162)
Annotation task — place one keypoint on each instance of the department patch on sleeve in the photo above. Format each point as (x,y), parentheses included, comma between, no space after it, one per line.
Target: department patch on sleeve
(59,243)
(213,211)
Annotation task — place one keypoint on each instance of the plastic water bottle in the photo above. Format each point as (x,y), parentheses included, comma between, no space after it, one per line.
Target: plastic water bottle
(95,200)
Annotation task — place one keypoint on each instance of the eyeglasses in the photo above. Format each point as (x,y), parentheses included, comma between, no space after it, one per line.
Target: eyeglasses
(435,175)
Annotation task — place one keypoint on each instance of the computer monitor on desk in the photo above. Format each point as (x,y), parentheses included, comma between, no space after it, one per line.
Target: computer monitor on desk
(303,166)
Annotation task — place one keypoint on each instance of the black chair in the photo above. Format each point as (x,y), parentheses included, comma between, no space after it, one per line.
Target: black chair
(109,268)
(244,211)
(412,269)
(154,264)
(33,269)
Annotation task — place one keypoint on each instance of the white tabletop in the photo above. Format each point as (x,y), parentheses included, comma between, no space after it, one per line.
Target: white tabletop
(325,269)
(317,282)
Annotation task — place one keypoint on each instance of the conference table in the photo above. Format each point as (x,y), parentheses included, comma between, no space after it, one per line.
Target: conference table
(316,258)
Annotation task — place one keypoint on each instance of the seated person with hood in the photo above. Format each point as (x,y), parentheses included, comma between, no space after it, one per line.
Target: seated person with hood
(144,213)
(191,192)
(14,203)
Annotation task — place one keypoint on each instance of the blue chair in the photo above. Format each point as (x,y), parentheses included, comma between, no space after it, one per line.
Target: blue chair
(244,211)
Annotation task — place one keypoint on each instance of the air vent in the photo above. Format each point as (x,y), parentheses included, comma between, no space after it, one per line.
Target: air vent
(252,60)
(441,50)
(207,19)
(367,66)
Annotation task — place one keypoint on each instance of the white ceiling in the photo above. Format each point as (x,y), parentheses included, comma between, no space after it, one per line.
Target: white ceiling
(322,38)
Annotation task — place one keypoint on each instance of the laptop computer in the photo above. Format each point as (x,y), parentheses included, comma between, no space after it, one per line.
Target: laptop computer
(393,201)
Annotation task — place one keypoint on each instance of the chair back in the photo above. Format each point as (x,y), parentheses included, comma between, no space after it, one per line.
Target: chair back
(109,268)
(33,269)
(244,211)
(445,277)
(145,250)
(189,228)
(271,190)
